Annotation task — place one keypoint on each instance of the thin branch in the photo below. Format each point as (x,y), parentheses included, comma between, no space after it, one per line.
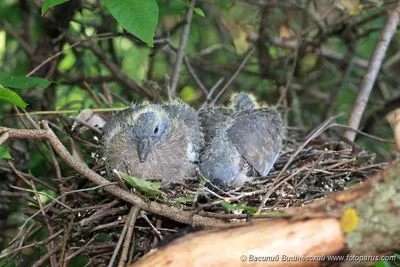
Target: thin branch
(195,77)
(363,133)
(56,112)
(161,209)
(40,193)
(144,216)
(372,71)
(121,239)
(92,93)
(333,55)
(128,237)
(211,92)
(182,46)
(45,241)
(241,66)
(111,66)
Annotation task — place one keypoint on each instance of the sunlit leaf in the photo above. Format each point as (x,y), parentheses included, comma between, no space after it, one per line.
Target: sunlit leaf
(151,189)
(188,94)
(196,10)
(4,153)
(22,82)
(6,95)
(51,3)
(353,6)
(136,16)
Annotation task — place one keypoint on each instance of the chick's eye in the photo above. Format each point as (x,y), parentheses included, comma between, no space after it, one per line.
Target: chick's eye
(156,130)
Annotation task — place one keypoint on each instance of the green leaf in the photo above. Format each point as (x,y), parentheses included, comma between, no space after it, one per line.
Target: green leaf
(6,95)
(184,200)
(22,82)
(230,207)
(196,10)
(4,153)
(51,3)
(138,17)
(151,189)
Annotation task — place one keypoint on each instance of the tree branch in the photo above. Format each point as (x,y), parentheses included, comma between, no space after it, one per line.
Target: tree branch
(153,207)
(181,50)
(372,71)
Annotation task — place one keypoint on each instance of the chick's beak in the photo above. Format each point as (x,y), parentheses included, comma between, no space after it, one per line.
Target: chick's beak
(143,150)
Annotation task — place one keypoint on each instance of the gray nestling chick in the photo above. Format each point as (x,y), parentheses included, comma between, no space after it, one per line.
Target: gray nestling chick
(242,141)
(151,141)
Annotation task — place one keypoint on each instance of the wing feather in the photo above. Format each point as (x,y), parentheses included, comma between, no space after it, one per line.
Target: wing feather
(257,135)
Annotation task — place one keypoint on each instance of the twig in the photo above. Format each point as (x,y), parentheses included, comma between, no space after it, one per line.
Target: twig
(290,44)
(128,237)
(121,238)
(52,202)
(372,71)
(106,210)
(363,133)
(30,176)
(80,250)
(289,78)
(153,207)
(144,216)
(50,246)
(194,75)
(53,57)
(56,112)
(92,93)
(67,230)
(220,93)
(25,46)
(211,92)
(107,93)
(40,193)
(45,241)
(167,87)
(110,65)
(182,46)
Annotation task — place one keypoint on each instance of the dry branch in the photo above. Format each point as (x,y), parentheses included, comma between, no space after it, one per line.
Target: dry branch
(161,209)
(372,71)
(236,245)
(315,230)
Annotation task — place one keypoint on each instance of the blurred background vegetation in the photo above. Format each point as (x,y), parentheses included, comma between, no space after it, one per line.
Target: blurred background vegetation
(309,60)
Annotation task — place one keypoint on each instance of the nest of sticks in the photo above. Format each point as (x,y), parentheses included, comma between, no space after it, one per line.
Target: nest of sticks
(100,227)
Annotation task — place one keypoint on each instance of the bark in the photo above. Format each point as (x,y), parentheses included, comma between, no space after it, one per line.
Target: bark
(321,229)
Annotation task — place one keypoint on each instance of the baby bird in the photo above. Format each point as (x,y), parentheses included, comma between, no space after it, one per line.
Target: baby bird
(242,141)
(152,141)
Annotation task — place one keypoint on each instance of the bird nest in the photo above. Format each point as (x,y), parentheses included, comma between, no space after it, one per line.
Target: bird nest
(95,220)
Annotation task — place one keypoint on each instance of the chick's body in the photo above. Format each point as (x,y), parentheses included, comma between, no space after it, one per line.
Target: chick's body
(160,142)
(242,141)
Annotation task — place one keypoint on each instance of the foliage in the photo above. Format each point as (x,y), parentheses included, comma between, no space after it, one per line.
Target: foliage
(150,189)
(6,95)
(4,153)
(136,16)
(51,3)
